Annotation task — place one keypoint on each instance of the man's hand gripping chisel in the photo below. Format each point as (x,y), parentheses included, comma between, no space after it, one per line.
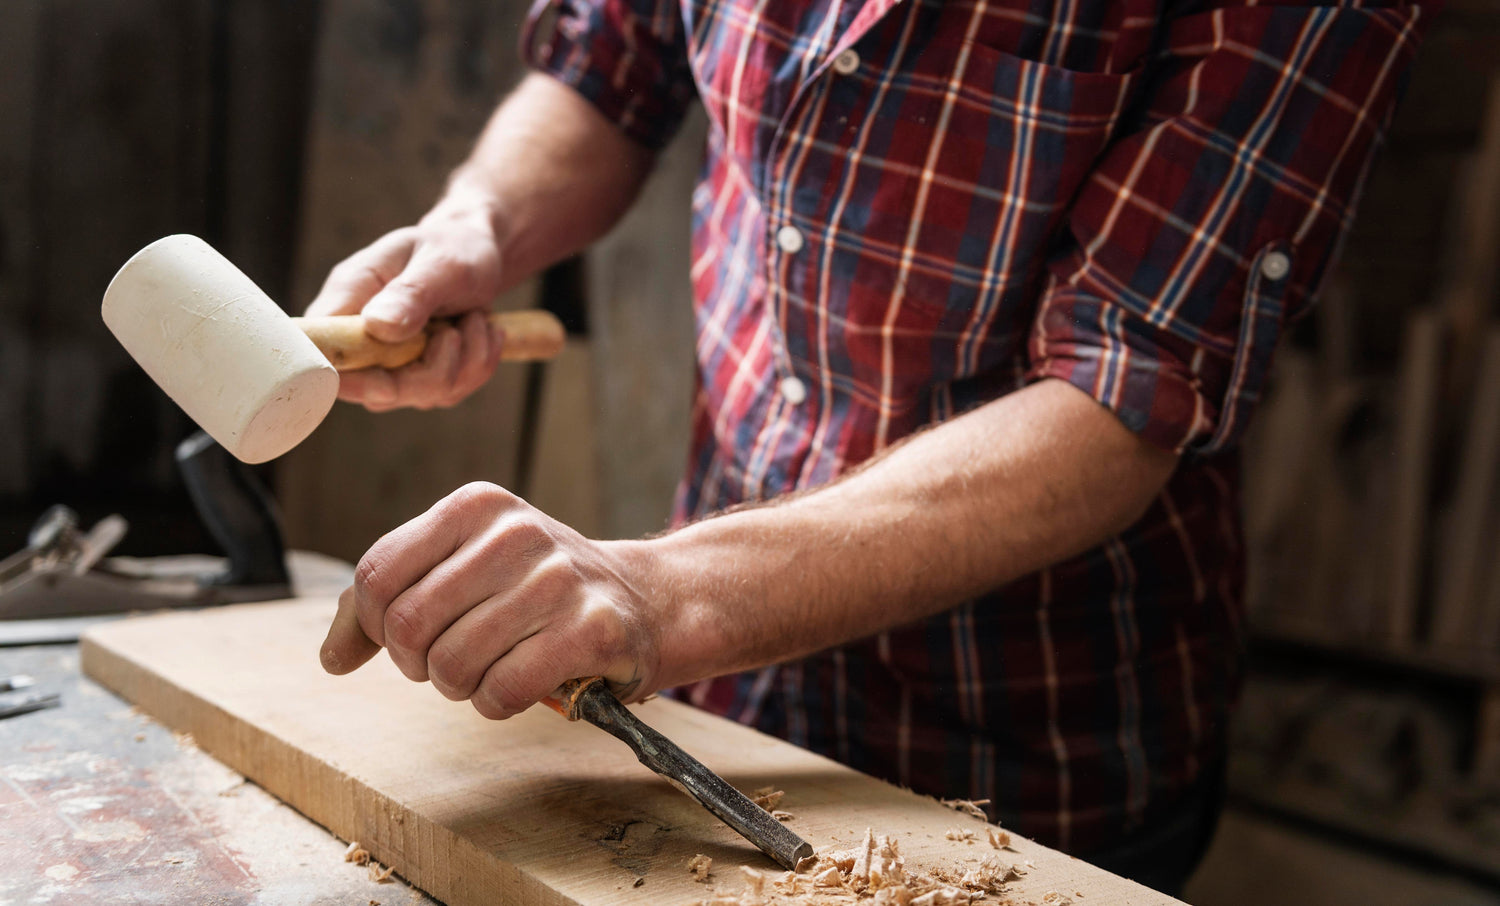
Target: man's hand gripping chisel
(259,382)
(589,699)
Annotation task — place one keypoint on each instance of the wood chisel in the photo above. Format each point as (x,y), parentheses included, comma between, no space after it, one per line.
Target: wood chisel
(590,699)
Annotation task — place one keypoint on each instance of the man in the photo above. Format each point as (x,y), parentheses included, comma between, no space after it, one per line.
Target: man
(985,296)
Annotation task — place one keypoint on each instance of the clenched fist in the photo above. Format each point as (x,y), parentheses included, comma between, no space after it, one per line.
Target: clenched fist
(446,265)
(494,602)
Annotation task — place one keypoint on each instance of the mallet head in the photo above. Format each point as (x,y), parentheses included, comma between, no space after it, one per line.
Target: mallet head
(220,348)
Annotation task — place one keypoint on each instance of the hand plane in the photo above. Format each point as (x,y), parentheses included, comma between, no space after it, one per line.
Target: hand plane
(65,571)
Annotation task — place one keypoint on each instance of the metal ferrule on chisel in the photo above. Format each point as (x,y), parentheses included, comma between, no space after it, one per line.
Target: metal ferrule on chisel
(591,700)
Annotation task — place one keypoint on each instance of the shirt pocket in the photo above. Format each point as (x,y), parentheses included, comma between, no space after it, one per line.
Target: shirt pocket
(969,160)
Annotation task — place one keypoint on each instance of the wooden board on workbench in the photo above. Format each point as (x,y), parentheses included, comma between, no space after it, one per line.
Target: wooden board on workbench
(534,810)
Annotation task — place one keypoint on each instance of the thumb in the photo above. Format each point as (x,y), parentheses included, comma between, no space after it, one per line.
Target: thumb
(347,647)
(402,308)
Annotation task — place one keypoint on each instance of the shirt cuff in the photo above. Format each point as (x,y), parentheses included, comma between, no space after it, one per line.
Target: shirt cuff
(626,57)
(1182,395)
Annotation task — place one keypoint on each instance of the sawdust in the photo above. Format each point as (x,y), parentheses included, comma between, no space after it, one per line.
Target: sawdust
(968,807)
(961,836)
(781,816)
(698,866)
(874,873)
(767,797)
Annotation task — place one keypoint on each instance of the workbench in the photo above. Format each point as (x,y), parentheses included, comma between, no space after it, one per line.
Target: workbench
(101,804)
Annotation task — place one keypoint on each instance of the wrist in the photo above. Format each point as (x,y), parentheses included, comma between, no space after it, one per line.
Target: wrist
(672,576)
(472,200)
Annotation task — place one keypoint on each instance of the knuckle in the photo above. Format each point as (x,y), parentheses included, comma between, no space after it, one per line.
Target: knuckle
(448,672)
(404,626)
(501,693)
(553,579)
(480,495)
(370,575)
(602,632)
(476,504)
(486,708)
(530,539)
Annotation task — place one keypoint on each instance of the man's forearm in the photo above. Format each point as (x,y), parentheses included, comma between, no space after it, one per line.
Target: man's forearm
(958,510)
(553,173)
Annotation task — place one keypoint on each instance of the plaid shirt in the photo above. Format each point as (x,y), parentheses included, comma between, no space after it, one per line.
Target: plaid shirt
(907,209)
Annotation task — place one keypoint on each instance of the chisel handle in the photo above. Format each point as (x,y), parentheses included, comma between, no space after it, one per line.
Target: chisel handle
(529,335)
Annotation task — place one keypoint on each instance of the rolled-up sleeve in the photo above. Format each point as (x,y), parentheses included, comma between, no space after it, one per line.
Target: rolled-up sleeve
(626,57)
(1208,224)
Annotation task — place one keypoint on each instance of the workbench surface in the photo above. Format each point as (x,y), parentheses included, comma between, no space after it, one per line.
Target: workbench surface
(100,804)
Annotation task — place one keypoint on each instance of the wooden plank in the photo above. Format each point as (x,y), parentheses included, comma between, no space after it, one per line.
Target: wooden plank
(641,323)
(534,810)
(1416,418)
(20,30)
(565,468)
(1470,531)
(402,90)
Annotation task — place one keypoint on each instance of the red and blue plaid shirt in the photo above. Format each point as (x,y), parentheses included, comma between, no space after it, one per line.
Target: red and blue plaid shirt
(908,208)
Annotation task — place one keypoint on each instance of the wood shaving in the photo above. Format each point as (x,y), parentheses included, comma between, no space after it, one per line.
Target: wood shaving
(782,816)
(698,866)
(755,882)
(1053,898)
(963,835)
(968,807)
(875,873)
(639,882)
(357,854)
(767,797)
(379,874)
(999,839)
(947,897)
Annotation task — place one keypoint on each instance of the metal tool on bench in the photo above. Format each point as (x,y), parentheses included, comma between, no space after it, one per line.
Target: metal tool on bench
(590,699)
(64,571)
(10,706)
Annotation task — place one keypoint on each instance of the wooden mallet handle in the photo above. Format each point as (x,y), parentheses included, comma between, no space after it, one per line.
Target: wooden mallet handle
(529,335)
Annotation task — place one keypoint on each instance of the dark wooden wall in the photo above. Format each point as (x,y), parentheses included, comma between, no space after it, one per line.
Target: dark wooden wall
(124,122)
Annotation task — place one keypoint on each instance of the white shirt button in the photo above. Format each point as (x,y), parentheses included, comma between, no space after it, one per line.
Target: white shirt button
(1275,266)
(790,239)
(846,62)
(793,390)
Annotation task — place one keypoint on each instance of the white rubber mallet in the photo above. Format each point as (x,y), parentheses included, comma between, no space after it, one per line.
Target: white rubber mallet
(255,379)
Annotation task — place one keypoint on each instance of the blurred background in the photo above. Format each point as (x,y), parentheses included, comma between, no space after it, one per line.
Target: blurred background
(289,133)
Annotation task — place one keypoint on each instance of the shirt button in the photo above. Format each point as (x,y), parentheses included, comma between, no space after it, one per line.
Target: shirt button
(790,239)
(846,62)
(1275,266)
(793,390)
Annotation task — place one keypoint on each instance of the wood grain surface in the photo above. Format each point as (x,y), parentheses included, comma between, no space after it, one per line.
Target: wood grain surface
(534,810)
